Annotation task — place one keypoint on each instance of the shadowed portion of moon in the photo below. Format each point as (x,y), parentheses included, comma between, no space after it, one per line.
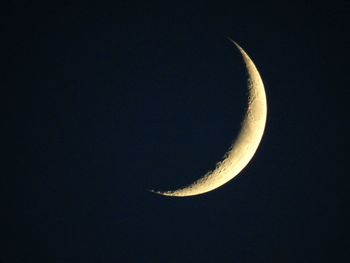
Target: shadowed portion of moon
(246,143)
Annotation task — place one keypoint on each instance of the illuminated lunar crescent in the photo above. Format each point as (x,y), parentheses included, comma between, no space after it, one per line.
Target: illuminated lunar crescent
(246,143)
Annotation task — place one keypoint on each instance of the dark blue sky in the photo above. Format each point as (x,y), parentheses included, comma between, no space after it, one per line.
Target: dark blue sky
(107,101)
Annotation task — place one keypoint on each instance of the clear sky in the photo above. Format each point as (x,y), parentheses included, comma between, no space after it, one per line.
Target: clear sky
(107,101)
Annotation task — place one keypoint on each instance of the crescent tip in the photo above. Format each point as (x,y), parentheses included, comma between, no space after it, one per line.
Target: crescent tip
(157,192)
(167,193)
(234,42)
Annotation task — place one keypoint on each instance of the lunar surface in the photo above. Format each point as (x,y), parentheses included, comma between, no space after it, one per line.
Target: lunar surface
(244,146)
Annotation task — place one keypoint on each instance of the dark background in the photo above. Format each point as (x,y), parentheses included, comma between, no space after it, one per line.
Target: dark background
(103,102)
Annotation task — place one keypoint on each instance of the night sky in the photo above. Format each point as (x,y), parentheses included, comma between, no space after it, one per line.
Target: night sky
(104,102)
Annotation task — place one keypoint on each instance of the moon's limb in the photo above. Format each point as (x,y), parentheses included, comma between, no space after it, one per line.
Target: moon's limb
(246,143)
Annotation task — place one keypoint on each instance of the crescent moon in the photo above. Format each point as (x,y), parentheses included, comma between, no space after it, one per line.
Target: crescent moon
(246,143)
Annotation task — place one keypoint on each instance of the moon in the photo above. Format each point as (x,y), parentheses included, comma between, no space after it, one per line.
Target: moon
(244,146)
